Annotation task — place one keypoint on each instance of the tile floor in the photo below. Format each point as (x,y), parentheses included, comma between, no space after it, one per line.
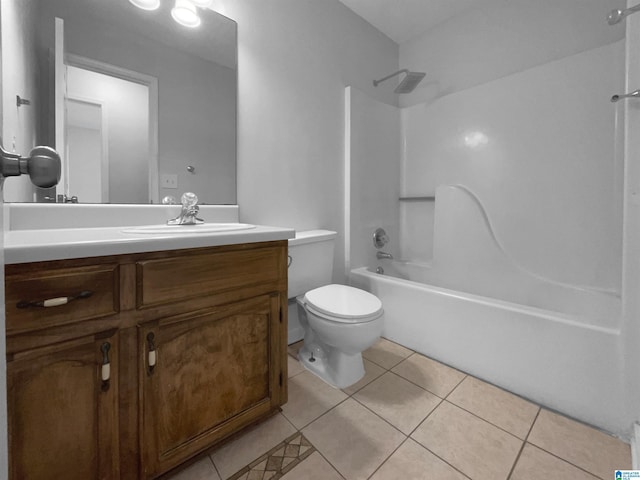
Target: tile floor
(411,417)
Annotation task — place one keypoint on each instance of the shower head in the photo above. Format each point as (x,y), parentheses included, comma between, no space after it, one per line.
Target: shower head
(616,16)
(408,83)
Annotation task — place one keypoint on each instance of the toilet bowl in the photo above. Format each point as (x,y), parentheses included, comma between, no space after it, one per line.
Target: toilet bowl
(339,322)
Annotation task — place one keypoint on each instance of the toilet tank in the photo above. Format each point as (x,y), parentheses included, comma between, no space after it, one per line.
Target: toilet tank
(311,263)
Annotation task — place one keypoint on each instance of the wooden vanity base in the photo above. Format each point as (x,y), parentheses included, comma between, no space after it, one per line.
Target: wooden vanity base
(145,360)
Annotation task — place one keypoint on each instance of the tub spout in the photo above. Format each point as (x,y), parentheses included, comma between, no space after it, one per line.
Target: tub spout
(380,255)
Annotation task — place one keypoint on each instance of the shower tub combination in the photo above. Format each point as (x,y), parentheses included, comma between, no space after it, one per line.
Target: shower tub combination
(476,309)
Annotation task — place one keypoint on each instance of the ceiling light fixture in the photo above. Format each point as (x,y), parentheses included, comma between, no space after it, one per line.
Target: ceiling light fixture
(185,13)
(146,4)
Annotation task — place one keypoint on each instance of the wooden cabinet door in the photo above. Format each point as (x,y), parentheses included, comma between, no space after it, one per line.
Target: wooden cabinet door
(205,375)
(62,414)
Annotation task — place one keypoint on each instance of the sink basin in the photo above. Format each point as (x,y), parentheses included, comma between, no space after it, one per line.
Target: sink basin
(188,229)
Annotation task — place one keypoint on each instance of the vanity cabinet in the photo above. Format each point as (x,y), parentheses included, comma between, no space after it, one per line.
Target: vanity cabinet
(221,356)
(196,351)
(62,413)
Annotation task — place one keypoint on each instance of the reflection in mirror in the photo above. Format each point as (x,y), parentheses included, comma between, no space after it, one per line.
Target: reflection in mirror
(138,106)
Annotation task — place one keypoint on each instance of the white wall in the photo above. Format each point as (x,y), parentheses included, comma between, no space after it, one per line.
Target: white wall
(19,78)
(374,187)
(295,59)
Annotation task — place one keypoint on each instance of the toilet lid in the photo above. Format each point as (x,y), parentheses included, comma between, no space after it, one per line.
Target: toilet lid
(343,302)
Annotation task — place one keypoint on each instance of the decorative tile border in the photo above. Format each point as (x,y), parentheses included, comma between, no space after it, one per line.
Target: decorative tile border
(277,461)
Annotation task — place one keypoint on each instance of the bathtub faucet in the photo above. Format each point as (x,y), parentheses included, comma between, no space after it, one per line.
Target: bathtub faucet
(380,255)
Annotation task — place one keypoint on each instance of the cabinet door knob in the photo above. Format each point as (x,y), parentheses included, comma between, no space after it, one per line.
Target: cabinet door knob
(151,356)
(105,371)
(53,302)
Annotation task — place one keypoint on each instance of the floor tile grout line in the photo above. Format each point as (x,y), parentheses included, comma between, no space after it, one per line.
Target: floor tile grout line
(316,448)
(480,418)
(381,418)
(321,415)
(540,409)
(425,389)
(523,398)
(327,460)
(466,375)
(382,366)
(365,385)
(566,461)
(214,466)
(290,422)
(428,415)
(299,430)
(409,436)
(457,469)
(526,438)
(524,443)
(488,421)
(374,413)
(392,426)
(388,457)
(405,379)
(446,398)
(442,400)
(435,408)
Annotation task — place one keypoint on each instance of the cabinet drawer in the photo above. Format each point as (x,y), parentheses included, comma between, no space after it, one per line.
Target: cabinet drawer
(35,287)
(179,278)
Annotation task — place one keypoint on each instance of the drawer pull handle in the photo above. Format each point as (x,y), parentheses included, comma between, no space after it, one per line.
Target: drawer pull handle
(53,302)
(105,371)
(152,356)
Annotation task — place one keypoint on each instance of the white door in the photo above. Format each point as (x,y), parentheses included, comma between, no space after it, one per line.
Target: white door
(87,150)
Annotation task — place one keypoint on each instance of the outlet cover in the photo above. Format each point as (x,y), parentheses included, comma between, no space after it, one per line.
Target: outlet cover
(168,181)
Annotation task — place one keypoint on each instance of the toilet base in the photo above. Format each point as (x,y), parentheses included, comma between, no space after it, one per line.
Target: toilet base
(337,368)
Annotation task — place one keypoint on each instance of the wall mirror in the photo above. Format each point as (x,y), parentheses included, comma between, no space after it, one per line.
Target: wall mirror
(138,106)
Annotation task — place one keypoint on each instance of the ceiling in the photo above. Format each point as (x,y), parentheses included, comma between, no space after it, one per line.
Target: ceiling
(403,20)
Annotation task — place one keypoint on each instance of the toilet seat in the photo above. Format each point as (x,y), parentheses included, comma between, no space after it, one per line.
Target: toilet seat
(343,304)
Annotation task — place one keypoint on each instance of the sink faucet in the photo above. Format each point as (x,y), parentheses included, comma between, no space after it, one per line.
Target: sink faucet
(380,255)
(189,212)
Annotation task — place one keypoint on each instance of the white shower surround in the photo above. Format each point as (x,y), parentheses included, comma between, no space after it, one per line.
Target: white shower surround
(565,361)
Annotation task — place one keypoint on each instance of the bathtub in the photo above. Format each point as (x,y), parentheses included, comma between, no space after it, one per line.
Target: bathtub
(555,359)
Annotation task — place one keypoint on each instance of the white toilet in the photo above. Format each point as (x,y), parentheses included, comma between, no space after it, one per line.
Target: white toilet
(339,321)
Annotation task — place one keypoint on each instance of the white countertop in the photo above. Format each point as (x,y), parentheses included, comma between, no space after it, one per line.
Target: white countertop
(39,232)
(22,246)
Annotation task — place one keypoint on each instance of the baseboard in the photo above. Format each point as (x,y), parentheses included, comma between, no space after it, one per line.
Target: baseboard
(635,446)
